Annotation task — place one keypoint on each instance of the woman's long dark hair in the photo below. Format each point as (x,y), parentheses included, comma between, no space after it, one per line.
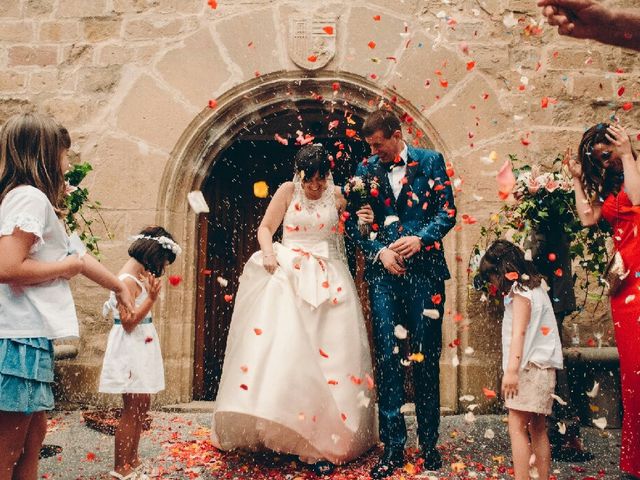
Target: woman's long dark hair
(597,180)
(501,260)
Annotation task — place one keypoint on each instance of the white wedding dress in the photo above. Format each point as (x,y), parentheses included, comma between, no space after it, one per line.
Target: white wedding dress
(297,375)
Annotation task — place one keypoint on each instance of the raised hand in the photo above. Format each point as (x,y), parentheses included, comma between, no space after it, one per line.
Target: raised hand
(151,284)
(569,161)
(620,143)
(577,18)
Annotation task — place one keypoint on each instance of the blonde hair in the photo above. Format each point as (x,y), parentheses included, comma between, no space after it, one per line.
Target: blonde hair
(30,148)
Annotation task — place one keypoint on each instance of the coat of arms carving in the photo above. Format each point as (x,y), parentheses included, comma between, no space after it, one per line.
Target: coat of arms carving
(312,41)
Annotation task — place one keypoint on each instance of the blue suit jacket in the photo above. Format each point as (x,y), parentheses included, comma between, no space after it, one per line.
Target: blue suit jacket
(425,208)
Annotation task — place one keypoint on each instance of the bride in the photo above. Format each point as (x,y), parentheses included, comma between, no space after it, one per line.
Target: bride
(297,376)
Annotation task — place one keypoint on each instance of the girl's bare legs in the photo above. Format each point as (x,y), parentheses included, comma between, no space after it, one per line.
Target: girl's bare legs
(21,437)
(142,403)
(540,444)
(128,434)
(520,447)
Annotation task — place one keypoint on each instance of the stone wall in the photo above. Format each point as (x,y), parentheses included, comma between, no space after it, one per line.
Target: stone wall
(132,79)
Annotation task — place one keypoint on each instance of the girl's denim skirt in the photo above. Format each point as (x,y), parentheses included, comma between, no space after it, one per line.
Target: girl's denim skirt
(26,374)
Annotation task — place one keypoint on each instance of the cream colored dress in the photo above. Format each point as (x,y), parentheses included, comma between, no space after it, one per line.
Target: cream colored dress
(297,376)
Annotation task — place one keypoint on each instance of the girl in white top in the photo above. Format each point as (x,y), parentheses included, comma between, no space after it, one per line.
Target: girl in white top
(36,262)
(132,363)
(531,353)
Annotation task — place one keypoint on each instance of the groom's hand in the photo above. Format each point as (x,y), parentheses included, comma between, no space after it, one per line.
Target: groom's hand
(392,261)
(407,247)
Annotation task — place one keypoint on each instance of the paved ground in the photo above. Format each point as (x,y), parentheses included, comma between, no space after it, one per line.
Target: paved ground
(177,447)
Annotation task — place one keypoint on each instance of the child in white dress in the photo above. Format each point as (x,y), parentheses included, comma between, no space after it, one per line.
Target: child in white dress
(531,354)
(132,363)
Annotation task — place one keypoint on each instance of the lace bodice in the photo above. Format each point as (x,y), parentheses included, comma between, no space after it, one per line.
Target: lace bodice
(311,224)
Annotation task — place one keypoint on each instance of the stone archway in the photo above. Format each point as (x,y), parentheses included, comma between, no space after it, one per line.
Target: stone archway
(210,133)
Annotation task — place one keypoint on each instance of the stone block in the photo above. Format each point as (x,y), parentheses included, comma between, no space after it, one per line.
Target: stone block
(26,56)
(10,106)
(197,69)
(359,32)
(10,9)
(16,32)
(78,54)
(115,54)
(591,86)
(50,81)
(252,42)
(12,81)
(402,7)
(34,8)
(152,28)
(159,6)
(574,57)
(152,114)
(484,55)
(81,8)
(478,373)
(470,115)
(71,112)
(59,31)
(427,73)
(100,29)
(99,79)
(124,163)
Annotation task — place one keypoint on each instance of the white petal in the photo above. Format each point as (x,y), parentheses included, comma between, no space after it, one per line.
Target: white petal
(455,361)
(390,219)
(467,398)
(469,351)
(489,434)
(431,313)
(222,281)
(601,423)
(562,428)
(469,417)
(594,391)
(558,399)
(400,332)
(197,202)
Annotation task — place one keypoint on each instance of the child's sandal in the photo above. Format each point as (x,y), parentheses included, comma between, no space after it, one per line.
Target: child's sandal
(130,476)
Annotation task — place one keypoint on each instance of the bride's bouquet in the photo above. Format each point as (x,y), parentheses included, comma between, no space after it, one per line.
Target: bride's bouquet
(361,191)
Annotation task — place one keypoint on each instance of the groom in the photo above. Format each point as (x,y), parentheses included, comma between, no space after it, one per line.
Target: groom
(406,270)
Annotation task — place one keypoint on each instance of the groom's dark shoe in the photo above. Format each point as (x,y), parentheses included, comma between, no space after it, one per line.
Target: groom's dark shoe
(390,460)
(432,459)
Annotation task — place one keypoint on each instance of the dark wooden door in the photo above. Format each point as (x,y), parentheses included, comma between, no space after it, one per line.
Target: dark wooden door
(228,237)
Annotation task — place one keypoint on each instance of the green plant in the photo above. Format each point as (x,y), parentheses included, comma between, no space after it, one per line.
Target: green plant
(541,201)
(76,201)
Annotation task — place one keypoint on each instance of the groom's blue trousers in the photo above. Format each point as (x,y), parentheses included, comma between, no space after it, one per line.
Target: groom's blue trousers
(402,300)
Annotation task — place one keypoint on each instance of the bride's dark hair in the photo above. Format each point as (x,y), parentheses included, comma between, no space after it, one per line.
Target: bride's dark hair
(312,159)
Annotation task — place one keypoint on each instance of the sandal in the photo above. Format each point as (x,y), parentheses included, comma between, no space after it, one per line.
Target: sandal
(131,476)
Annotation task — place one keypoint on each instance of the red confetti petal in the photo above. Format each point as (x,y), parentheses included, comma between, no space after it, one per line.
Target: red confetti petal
(323,353)
(372,44)
(148,340)
(312,58)
(328,30)
(213,103)
(627,106)
(552,257)
(244,387)
(350,133)
(545,330)
(175,280)
(513,276)
(436,299)
(228,298)
(471,65)
(91,456)
(213,4)
(621,91)
(377,18)
(558,272)
(488,393)
(258,331)
(332,382)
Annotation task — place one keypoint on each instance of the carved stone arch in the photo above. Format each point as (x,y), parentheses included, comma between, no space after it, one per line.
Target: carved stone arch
(208,135)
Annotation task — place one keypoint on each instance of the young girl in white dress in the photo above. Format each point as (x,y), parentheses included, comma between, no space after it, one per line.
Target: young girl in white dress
(297,375)
(531,354)
(37,259)
(132,363)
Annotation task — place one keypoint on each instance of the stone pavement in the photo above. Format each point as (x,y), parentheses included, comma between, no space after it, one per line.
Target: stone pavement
(177,447)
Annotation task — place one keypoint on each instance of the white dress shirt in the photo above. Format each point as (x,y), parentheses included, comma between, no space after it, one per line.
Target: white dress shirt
(397,173)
